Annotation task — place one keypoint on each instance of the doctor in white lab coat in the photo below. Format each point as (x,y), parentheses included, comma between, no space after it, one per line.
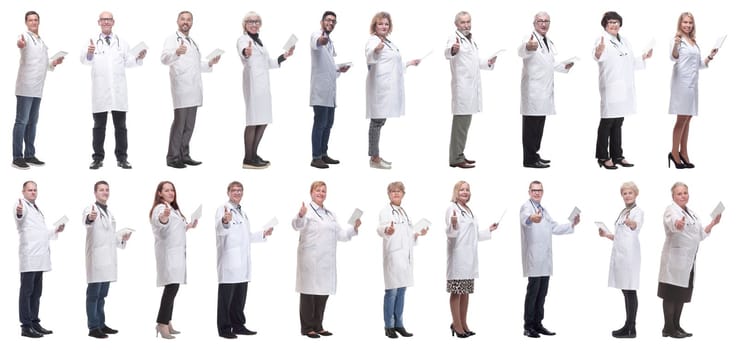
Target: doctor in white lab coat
(466,86)
(320,231)
(170,244)
(184,59)
(29,86)
(256,89)
(385,83)
(34,253)
(536,228)
(462,261)
(101,258)
(233,238)
(617,64)
(625,260)
(684,232)
(398,240)
(537,87)
(109,57)
(684,86)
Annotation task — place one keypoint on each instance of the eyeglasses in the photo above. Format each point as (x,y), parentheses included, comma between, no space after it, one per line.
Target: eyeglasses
(237,191)
(253,21)
(613,22)
(543,21)
(106,19)
(330,20)
(537,190)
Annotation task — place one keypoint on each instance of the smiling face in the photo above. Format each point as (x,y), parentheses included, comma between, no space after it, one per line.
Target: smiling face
(167,193)
(32,23)
(252,24)
(106,22)
(184,22)
(102,193)
(328,23)
(629,196)
(395,195)
(382,27)
(318,195)
(542,23)
(235,193)
(463,195)
(613,27)
(463,24)
(535,190)
(686,25)
(680,195)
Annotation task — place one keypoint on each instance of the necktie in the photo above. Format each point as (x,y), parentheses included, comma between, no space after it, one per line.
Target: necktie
(545,41)
(238,208)
(107,39)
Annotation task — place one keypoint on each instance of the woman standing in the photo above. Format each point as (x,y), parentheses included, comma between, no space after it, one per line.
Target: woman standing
(684,81)
(625,260)
(385,84)
(684,232)
(396,230)
(316,258)
(617,64)
(462,264)
(169,226)
(256,90)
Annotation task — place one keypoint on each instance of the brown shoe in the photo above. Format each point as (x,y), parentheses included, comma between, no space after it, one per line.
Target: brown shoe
(463,165)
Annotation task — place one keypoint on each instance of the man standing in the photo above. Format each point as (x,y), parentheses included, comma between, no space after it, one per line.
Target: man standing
(323,75)
(233,238)
(182,55)
(536,228)
(537,88)
(35,258)
(466,86)
(101,258)
(109,57)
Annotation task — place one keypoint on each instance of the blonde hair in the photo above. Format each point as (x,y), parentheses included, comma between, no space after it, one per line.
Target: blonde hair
(693,34)
(316,184)
(678,184)
(250,14)
(630,185)
(457,188)
(375,20)
(396,185)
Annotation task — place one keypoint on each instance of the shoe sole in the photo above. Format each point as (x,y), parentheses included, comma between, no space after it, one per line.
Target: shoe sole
(21,168)
(247,166)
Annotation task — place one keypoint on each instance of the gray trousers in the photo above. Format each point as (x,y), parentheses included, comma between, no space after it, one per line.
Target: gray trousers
(180,134)
(375,128)
(459,130)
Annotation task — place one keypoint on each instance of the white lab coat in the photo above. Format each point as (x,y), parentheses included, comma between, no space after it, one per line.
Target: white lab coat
(385,81)
(617,65)
(185,71)
(316,251)
(323,72)
(462,261)
(109,63)
(397,248)
(101,255)
(170,246)
(34,63)
(537,78)
(685,80)
(233,242)
(256,89)
(34,251)
(535,240)
(625,260)
(680,247)
(466,77)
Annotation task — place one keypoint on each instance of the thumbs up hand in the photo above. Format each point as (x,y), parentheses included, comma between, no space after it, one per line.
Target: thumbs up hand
(91,48)
(455,47)
(227,215)
(600,48)
(679,224)
(454,221)
(389,230)
(536,217)
(323,39)
(181,50)
(379,47)
(92,215)
(19,208)
(164,216)
(248,50)
(21,41)
(532,44)
(302,211)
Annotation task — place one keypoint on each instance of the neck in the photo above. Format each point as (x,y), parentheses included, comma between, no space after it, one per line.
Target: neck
(630,206)
(320,204)
(396,203)
(102,202)
(235,203)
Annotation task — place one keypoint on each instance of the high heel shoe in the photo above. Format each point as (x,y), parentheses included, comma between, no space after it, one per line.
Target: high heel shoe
(469,333)
(686,164)
(602,162)
(679,165)
(163,330)
(172,330)
(457,334)
(622,162)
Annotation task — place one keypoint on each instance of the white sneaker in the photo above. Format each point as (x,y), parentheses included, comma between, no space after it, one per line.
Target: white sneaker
(385,161)
(379,165)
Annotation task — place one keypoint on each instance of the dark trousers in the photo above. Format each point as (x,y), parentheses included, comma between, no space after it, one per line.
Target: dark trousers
(121,135)
(231,302)
(322,124)
(610,133)
(532,135)
(672,315)
(535,297)
(95,304)
(631,307)
(251,139)
(459,131)
(180,134)
(312,308)
(31,285)
(167,303)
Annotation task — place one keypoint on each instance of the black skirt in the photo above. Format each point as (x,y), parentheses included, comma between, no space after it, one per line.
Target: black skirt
(679,294)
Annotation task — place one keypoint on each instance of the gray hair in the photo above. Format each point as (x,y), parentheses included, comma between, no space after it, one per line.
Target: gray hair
(540,14)
(461,13)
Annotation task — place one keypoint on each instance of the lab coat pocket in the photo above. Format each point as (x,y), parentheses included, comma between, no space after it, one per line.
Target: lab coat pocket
(102,258)
(175,258)
(394,243)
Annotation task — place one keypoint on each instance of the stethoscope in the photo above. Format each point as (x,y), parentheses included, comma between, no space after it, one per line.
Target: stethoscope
(318,214)
(550,47)
(536,206)
(33,205)
(617,47)
(623,214)
(399,214)
(104,215)
(101,41)
(692,218)
(33,38)
(181,41)
(240,214)
(463,212)
(463,38)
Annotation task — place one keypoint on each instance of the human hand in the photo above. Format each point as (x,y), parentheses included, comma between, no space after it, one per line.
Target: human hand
(289,52)
(600,48)
(214,60)
(569,65)
(389,230)
(679,224)
(21,41)
(536,217)
(455,47)
(379,47)
(248,50)
(193,224)
(182,49)
(141,55)
(532,44)
(323,39)
(227,215)
(357,223)
(92,215)
(493,227)
(302,210)
(454,221)
(60,228)
(91,48)
(19,207)
(268,231)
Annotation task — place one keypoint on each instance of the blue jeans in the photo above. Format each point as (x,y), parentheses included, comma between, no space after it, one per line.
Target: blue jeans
(26,118)
(322,124)
(394,303)
(96,293)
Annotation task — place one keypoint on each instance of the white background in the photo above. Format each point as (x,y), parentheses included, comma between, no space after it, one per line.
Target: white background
(580,307)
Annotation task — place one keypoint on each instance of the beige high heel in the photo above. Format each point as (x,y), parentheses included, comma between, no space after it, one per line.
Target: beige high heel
(163,329)
(172,330)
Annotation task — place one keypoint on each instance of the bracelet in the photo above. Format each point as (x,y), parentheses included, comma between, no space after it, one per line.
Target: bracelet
(710,58)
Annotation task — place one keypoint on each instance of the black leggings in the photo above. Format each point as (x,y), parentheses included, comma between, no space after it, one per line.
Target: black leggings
(167,303)
(631,307)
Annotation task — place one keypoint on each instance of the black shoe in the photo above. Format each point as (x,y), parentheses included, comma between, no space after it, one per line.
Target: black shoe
(254,164)
(319,163)
(108,330)
(403,332)
(544,331)
(34,161)
(312,335)
(21,164)
(625,332)
(329,160)
(243,331)
(671,159)
(30,333)
(390,333)
(469,333)
(674,334)
(325,333)
(227,335)
(686,165)
(124,164)
(531,333)
(192,162)
(462,165)
(622,162)
(97,333)
(261,160)
(685,332)
(177,164)
(544,161)
(537,165)
(602,163)
(37,327)
(96,164)
(457,334)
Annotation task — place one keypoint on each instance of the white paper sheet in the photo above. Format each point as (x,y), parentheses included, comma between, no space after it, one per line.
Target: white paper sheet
(563,63)
(497,53)
(290,42)
(421,224)
(214,54)
(271,223)
(197,214)
(718,210)
(138,48)
(501,216)
(355,216)
(426,55)
(651,44)
(62,221)
(58,54)
(601,225)
(574,213)
(719,42)
(344,64)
